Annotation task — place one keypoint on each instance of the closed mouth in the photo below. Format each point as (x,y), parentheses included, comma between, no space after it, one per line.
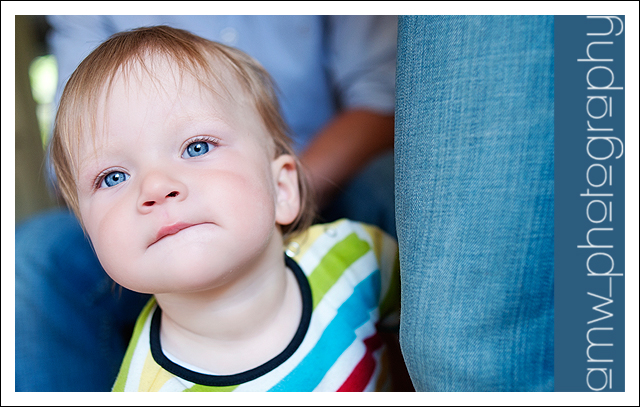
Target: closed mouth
(171,230)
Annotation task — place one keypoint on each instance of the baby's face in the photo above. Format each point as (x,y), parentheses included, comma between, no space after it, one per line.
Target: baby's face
(180,188)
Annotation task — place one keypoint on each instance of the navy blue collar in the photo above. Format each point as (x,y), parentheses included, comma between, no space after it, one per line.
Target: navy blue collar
(238,378)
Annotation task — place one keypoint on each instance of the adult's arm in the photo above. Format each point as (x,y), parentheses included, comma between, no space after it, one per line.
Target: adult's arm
(344,147)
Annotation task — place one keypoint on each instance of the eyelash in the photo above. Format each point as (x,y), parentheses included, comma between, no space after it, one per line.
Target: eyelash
(213,140)
(98,181)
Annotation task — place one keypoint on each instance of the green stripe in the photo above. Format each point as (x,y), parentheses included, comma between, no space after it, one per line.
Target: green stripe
(334,263)
(137,330)
(199,388)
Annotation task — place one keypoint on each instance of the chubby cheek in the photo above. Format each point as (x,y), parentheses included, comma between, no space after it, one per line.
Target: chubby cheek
(241,200)
(112,232)
(237,181)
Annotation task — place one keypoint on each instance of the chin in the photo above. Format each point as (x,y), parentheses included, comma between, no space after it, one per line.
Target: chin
(187,278)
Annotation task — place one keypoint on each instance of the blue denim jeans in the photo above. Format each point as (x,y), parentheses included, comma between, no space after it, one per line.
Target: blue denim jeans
(73,324)
(474,201)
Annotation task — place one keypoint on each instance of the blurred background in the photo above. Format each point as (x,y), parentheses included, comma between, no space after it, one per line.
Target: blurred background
(36,79)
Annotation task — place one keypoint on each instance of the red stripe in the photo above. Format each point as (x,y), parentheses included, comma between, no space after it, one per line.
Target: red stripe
(362,373)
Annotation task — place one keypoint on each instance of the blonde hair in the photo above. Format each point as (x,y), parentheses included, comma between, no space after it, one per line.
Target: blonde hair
(196,55)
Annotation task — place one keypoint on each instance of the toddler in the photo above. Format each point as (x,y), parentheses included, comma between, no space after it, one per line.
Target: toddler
(172,152)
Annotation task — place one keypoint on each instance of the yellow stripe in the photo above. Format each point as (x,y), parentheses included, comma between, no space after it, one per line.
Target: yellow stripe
(126,363)
(154,376)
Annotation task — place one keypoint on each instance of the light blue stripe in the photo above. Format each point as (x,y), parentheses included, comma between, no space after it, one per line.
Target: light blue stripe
(337,337)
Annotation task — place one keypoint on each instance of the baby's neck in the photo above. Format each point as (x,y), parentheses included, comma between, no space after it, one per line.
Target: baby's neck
(237,327)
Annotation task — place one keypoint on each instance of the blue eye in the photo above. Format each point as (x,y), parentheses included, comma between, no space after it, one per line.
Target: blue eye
(196,149)
(113,179)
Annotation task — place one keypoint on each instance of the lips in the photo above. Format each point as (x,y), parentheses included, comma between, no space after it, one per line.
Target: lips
(171,230)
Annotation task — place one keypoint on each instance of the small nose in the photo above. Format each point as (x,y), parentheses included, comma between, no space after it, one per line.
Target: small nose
(158,188)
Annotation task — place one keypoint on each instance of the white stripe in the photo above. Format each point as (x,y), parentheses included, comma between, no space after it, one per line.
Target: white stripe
(322,316)
(377,356)
(347,362)
(352,276)
(388,251)
(176,384)
(325,311)
(320,319)
(325,242)
(184,364)
(139,356)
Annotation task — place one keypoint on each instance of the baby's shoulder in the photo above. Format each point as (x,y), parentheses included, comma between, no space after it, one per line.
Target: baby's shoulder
(345,227)
(344,240)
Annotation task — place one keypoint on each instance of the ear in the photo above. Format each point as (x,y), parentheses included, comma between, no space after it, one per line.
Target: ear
(285,176)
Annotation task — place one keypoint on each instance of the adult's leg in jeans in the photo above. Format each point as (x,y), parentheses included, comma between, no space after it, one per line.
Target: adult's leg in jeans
(72,324)
(474,201)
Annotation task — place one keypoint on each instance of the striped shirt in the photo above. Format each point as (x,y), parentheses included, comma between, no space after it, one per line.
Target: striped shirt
(348,274)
